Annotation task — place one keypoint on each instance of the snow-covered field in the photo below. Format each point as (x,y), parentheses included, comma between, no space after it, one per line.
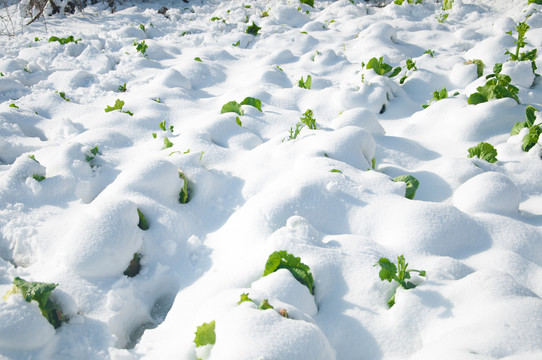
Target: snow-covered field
(73,177)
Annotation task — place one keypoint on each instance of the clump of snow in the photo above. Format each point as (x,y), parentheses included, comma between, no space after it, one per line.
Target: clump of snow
(488,192)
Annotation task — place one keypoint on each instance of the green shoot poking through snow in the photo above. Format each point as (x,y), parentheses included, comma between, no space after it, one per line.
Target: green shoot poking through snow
(62,95)
(205,334)
(92,153)
(284,260)
(400,273)
(532,137)
(305,84)
(141,47)
(64,41)
(38,178)
(118,106)
(253,29)
(381,68)
(484,151)
(134,267)
(232,106)
(308,2)
(122,88)
(257,103)
(308,119)
(447,4)
(479,66)
(235,107)
(497,87)
(411,185)
(184,195)
(522,28)
(143,224)
(263,305)
(437,95)
(39,292)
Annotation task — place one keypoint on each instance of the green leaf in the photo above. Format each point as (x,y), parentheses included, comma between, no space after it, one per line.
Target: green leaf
(13,106)
(447,4)
(430,52)
(395,72)
(476,98)
(143,224)
(531,139)
(388,269)
(238,121)
(244,297)
(197,58)
(184,195)
(232,106)
(308,119)
(253,29)
(518,126)
(411,185)
(308,2)
(167,143)
(257,103)
(305,84)
(39,292)
(134,267)
(118,106)
(284,260)
(484,151)
(335,171)
(264,305)
(530,115)
(205,334)
(38,178)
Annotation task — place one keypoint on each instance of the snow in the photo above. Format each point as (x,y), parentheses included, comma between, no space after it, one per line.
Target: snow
(326,196)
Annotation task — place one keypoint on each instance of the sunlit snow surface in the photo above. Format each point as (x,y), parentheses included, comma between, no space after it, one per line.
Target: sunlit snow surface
(475,227)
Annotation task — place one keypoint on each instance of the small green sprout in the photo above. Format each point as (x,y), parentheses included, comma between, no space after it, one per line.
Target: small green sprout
(62,95)
(399,273)
(382,68)
(305,84)
(447,4)
(64,41)
(143,224)
(521,42)
(39,292)
(307,2)
(479,66)
(257,103)
(232,106)
(429,52)
(122,88)
(238,121)
(141,47)
(308,119)
(497,86)
(253,29)
(93,153)
(283,260)
(532,137)
(38,178)
(442,17)
(134,267)
(437,95)
(142,27)
(484,151)
(184,194)
(237,43)
(167,143)
(197,58)
(336,171)
(412,185)
(13,106)
(118,106)
(205,334)
(294,133)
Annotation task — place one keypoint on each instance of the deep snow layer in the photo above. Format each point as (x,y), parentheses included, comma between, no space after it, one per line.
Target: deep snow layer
(475,227)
